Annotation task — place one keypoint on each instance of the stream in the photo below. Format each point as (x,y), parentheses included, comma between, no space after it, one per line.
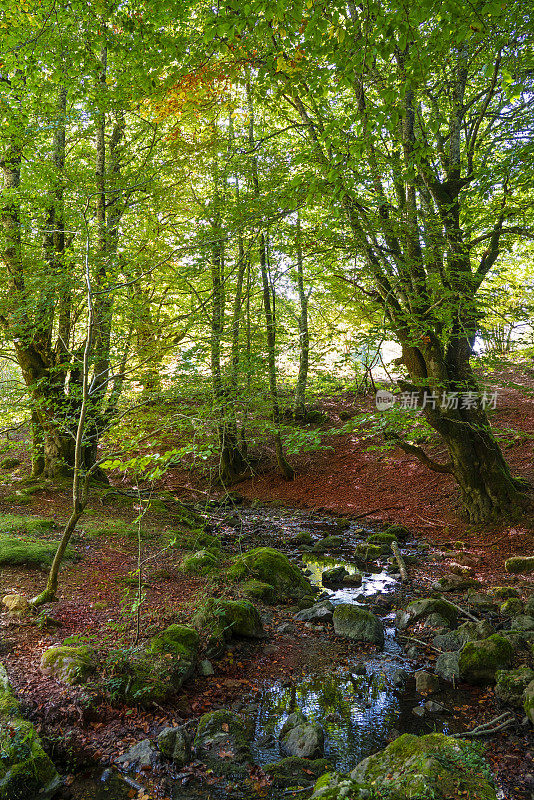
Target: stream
(361,704)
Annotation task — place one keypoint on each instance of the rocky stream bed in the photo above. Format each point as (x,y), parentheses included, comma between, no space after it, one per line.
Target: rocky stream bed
(377,722)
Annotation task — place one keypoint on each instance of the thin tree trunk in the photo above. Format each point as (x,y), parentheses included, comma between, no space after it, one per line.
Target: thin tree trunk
(299,411)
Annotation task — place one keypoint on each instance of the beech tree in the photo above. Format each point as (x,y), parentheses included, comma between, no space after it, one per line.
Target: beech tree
(418,124)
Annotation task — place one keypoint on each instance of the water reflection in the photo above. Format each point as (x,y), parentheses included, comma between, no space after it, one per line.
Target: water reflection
(371,584)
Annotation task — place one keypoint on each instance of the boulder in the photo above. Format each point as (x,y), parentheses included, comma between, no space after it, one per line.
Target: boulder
(303,741)
(453,583)
(353,580)
(520,565)
(320,612)
(528,701)
(153,672)
(359,624)
(447,667)
(69,665)
(479,661)
(273,567)
(222,743)
(419,609)
(228,618)
(481,601)
(141,756)
(258,590)
(201,563)
(400,532)
(511,683)
(504,592)
(523,623)
(435,766)
(17,605)
(511,607)
(174,743)
(329,543)
(25,769)
(294,771)
(334,576)
(426,682)
(529,606)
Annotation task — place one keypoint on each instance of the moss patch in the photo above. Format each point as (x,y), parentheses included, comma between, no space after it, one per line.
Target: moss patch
(479,661)
(270,566)
(20,552)
(201,562)
(259,590)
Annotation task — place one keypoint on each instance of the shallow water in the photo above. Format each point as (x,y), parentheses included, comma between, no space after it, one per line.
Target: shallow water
(357,712)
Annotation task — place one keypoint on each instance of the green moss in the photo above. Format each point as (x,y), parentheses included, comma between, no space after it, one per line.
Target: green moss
(176,639)
(433,766)
(270,566)
(512,606)
(369,552)
(400,532)
(260,590)
(329,543)
(382,538)
(200,540)
(10,463)
(419,609)
(10,523)
(25,769)
(520,565)
(528,701)
(295,771)
(225,618)
(504,592)
(221,732)
(511,683)
(201,563)
(479,661)
(70,665)
(20,552)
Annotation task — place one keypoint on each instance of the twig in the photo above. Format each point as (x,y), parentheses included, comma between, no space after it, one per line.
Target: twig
(419,641)
(458,608)
(489,728)
(400,562)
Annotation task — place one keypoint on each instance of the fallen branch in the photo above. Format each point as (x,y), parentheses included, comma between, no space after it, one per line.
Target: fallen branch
(400,562)
(460,609)
(419,641)
(489,728)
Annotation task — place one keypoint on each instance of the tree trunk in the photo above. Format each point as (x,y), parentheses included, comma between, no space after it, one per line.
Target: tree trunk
(299,411)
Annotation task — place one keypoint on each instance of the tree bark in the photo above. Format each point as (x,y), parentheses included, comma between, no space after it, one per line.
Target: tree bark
(299,411)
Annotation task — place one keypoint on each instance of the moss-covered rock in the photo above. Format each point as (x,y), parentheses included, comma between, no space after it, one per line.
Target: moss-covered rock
(270,566)
(479,661)
(25,769)
(358,624)
(421,609)
(226,618)
(528,701)
(259,590)
(222,743)
(520,565)
(511,683)
(304,537)
(201,540)
(382,539)
(512,606)
(418,767)
(10,463)
(504,592)
(294,771)
(201,563)
(20,552)
(400,532)
(522,622)
(156,671)
(329,543)
(69,665)
(367,551)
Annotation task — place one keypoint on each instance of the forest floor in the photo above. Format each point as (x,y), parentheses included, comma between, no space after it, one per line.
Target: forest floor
(347,481)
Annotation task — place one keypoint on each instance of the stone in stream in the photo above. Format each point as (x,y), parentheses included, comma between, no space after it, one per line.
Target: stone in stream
(511,683)
(141,756)
(301,738)
(425,682)
(222,742)
(174,743)
(358,624)
(320,612)
(329,543)
(479,661)
(447,666)
(353,581)
(271,566)
(421,609)
(333,576)
(453,583)
(434,765)
(295,771)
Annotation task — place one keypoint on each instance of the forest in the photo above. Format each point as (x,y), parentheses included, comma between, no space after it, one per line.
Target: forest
(266,392)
